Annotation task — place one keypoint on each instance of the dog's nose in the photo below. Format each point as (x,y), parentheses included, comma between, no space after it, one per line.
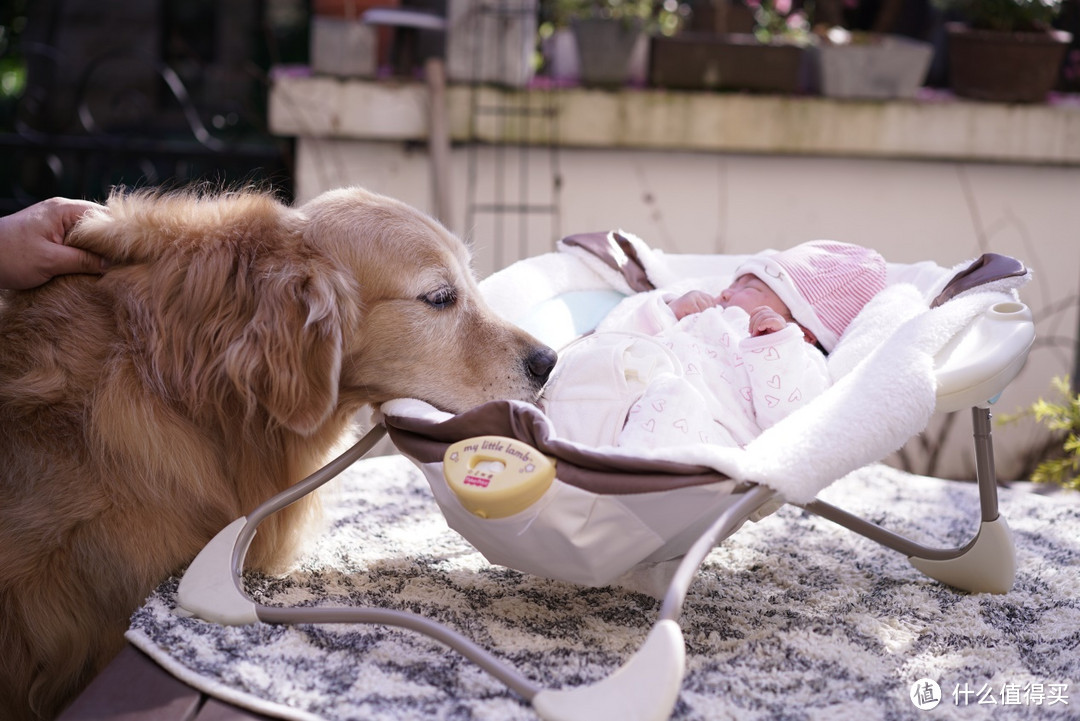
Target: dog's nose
(540,362)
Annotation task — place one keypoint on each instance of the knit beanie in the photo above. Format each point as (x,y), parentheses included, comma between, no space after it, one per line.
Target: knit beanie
(824,283)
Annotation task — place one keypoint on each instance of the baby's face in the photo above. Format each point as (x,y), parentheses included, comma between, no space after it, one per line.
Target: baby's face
(749,293)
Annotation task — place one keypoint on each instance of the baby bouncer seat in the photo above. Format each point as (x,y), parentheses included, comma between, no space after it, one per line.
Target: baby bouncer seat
(936,339)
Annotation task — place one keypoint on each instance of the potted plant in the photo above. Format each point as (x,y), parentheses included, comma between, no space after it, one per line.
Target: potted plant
(606,34)
(609,38)
(778,56)
(491,41)
(1058,461)
(1004,50)
(872,65)
(341,44)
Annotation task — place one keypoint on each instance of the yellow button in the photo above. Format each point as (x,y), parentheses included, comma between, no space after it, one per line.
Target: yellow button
(495,476)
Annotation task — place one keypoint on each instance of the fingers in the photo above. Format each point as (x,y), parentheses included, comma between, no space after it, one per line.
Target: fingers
(69,211)
(766,320)
(692,302)
(67,259)
(32,248)
(63,258)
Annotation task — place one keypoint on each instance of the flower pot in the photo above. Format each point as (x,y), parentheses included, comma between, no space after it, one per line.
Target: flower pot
(605,48)
(883,66)
(340,33)
(490,41)
(347,48)
(735,61)
(1016,67)
(560,55)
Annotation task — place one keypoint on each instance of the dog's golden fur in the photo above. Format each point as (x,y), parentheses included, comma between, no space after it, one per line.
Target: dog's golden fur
(216,362)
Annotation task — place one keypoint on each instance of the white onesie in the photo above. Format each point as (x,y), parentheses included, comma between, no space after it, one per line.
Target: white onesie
(645,379)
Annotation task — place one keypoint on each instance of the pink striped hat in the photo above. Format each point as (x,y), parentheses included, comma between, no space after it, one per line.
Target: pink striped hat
(824,283)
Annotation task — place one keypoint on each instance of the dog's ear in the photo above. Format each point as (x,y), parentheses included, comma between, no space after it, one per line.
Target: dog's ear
(288,355)
(237,313)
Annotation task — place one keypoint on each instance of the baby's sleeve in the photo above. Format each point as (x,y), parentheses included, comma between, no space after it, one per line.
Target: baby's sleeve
(646,313)
(785,373)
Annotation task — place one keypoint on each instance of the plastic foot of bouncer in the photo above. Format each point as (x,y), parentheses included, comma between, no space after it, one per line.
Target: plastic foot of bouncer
(645,688)
(209,590)
(988,565)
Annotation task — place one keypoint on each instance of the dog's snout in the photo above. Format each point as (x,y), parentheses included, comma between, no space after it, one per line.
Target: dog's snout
(540,362)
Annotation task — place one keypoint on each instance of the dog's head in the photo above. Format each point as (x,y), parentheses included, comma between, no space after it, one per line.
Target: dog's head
(424,331)
(352,298)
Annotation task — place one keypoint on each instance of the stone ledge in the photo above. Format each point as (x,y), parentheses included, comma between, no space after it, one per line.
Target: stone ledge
(932,127)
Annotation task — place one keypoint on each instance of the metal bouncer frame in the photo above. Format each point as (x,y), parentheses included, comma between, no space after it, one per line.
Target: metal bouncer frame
(647,685)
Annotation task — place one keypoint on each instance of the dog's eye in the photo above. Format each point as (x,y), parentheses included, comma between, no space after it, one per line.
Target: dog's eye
(441,298)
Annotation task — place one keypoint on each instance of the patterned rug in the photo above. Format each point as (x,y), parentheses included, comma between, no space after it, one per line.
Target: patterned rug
(791,618)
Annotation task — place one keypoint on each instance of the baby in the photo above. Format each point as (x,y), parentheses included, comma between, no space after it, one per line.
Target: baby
(698,368)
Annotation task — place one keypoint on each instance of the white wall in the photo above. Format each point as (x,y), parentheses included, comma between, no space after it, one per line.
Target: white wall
(714,202)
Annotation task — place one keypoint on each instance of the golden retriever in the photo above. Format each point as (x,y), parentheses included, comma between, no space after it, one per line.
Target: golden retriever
(215,363)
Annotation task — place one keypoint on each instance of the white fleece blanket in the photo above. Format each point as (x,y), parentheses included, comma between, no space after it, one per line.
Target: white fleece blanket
(884,387)
(879,399)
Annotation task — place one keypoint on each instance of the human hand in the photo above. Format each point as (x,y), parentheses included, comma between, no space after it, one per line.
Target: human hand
(32,248)
(691,302)
(765,320)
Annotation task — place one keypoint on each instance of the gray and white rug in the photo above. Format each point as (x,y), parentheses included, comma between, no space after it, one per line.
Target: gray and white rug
(791,618)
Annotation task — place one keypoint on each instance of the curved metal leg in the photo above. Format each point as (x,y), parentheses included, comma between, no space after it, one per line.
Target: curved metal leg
(987,563)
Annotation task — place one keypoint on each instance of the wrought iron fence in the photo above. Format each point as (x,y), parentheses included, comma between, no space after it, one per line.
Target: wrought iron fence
(135,94)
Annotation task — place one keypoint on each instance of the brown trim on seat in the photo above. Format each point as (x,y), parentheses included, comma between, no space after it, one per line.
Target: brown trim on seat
(616,252)
(986,269)
(586,468)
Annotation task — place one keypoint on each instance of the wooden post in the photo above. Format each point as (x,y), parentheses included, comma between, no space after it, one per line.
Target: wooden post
(438,139)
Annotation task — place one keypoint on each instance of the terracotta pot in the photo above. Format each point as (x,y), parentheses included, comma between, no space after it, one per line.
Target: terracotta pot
(1019,67)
